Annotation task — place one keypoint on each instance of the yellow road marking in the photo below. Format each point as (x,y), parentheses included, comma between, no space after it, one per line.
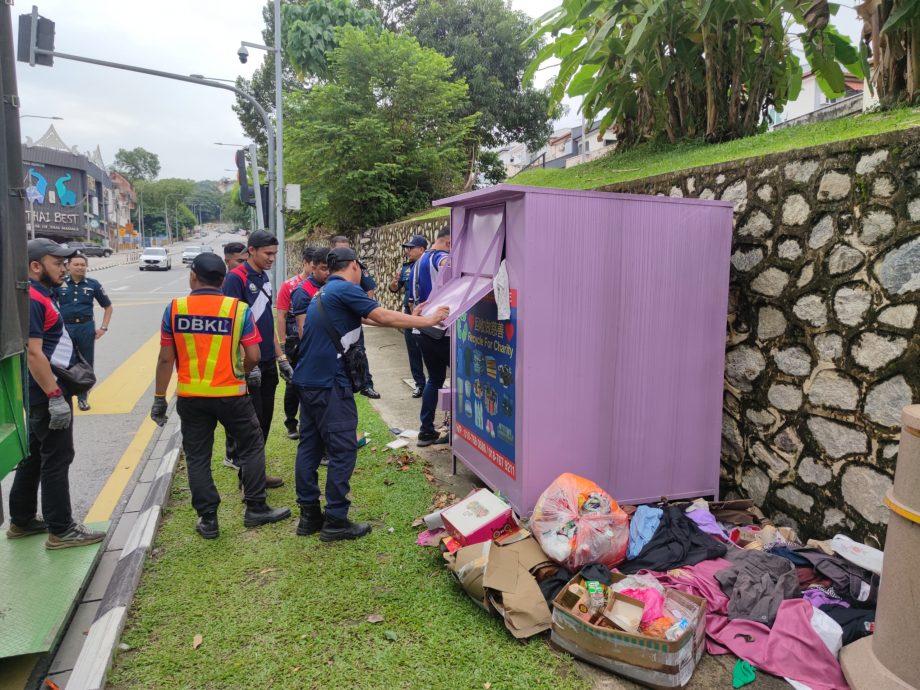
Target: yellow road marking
(108,498)
(121,390)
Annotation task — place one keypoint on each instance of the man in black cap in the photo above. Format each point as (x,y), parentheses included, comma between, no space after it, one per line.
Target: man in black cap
(369,285)
(328,415)
(50,413)
(249,283)
(201,337)
(235,254)
(413,249)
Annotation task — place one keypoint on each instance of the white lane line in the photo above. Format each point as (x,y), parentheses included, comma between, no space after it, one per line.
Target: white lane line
(118,289)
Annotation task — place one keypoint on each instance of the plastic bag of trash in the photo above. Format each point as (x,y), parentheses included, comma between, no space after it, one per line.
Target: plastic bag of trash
(577,523)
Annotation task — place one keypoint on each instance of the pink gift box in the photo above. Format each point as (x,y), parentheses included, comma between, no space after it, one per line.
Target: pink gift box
(477,518)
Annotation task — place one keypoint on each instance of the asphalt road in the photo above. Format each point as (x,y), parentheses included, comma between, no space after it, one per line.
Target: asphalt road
(125,363)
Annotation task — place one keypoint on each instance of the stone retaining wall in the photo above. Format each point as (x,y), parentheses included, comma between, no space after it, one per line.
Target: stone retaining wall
(821,345)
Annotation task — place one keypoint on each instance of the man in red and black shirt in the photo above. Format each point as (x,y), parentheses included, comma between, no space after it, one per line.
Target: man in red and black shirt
(250,283)
(284,323)
(50,413)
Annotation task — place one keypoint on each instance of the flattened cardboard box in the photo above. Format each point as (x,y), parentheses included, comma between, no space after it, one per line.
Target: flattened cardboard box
(468,564)
(520,602)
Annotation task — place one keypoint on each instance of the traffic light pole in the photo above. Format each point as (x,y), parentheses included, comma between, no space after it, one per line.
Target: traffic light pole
(269,130)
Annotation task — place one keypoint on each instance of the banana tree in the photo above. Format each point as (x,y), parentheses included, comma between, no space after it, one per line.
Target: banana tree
(681,68)
(891,31)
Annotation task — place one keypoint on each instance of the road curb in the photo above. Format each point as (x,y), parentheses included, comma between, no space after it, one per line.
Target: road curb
(92,665)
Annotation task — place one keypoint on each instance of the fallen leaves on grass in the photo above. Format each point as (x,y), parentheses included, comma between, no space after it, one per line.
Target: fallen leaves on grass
(388,482)
(197,640)
(391,636)
(428,474)
(418,522)
(442,499)
(375,618)
(402,461)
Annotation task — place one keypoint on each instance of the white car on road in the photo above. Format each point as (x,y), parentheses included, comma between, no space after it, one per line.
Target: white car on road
(155,258)
(189,254)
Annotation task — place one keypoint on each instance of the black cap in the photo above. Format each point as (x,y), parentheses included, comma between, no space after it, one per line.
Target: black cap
(234,248)
(42,247)
(209,267)
(416,241)
(341,255)
(262,238)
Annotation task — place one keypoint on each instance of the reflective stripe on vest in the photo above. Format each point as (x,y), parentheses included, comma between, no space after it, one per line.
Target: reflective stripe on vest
(207,331)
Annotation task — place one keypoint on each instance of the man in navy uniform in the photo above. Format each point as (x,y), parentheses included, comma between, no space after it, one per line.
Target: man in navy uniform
(76,297)
(369,285)
(435,346)
(328,414)
(413,249)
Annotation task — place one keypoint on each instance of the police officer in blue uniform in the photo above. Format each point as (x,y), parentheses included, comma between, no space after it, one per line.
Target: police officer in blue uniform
(413,248)
(328,414)
(76,297)
(369,285)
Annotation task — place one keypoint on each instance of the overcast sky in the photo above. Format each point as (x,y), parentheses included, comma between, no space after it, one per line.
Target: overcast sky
(177,121)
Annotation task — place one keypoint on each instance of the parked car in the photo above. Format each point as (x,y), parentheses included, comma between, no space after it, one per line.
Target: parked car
(90,249)
(207,248)
(155,258)
(189,254)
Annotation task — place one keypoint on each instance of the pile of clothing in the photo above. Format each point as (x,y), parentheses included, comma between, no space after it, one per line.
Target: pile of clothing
(782,606)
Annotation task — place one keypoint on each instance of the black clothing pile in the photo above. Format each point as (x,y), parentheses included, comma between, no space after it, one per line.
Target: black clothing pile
(677,541)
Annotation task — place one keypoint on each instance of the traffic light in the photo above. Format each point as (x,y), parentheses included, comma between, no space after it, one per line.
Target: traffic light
(242,177)
(43,38)
(247,194)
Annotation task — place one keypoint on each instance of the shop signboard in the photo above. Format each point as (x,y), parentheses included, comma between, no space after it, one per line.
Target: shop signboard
(55,195)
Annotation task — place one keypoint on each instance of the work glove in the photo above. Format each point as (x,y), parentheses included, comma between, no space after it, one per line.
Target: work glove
(158,410)
(254,377)
(287,371)
(60,412)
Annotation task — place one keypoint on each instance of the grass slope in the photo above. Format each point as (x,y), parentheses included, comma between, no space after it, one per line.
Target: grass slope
(658,159)
(277,610)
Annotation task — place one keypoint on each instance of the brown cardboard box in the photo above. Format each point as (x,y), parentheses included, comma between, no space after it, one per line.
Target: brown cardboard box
(652,661)
(512,589)
(468,564)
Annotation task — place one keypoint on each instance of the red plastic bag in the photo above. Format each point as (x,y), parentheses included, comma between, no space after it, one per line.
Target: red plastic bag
(577,523)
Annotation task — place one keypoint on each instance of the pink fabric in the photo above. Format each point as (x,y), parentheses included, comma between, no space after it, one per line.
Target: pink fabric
(653,600)
(791,649)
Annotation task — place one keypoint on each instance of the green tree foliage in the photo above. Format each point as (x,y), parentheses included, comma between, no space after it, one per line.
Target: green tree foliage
(684,68)
(490,167)
(485,39)
(382,137)
(205,198)
(164,196)
(309,32)
(891,32)
(233,211)
(137,164)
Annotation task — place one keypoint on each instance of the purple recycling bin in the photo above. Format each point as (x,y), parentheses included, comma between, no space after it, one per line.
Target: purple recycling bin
(611,361)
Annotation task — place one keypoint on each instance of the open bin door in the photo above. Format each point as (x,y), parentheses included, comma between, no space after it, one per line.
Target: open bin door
(475,257)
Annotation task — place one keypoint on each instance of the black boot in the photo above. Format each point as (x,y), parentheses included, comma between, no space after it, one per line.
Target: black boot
(207,526)
(311,519)
(336,529)
(259,513)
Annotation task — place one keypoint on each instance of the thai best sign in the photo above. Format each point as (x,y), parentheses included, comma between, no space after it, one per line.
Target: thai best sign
(54,199)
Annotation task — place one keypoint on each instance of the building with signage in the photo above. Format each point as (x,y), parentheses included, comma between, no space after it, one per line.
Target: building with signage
(66,191)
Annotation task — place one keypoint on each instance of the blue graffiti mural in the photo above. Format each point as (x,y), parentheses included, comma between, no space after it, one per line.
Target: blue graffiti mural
(67,197)
(36,192)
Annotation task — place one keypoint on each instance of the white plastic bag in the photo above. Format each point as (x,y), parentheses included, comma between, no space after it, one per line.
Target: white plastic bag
(859,554)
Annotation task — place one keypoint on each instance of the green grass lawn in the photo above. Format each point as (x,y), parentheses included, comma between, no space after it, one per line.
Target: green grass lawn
(658,159)
(280,611)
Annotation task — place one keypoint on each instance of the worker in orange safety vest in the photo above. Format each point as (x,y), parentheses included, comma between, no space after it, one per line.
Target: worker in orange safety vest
(202,337)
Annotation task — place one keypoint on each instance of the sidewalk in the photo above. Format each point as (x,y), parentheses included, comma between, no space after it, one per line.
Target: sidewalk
(98,263)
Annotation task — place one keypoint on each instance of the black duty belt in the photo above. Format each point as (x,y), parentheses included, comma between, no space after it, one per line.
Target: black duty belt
(79,319)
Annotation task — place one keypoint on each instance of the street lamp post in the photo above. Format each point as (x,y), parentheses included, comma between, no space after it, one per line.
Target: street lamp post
(279,132)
